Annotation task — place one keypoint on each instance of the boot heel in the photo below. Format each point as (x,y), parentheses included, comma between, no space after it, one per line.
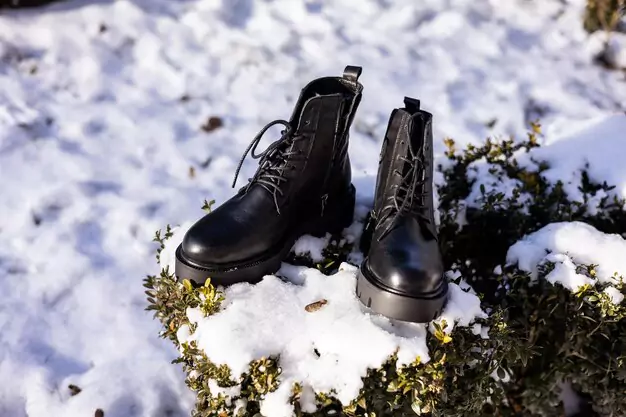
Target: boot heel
(338,214)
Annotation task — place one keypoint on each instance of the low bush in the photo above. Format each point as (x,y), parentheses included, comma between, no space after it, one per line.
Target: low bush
(541,335)
(603,15)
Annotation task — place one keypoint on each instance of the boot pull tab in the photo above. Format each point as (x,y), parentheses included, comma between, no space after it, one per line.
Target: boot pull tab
(352,73)
(411,104)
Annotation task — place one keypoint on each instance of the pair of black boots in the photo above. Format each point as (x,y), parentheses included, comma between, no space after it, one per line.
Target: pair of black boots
(303,186)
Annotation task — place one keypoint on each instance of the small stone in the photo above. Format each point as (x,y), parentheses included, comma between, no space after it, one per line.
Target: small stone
(212,123)
(74,390)
(316,305)
(491,123)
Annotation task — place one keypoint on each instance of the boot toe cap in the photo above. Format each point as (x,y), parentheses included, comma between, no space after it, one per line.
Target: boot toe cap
(220,240)
(405,273)
(202,248)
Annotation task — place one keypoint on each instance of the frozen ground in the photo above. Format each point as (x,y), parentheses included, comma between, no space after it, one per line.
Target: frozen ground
(101,108)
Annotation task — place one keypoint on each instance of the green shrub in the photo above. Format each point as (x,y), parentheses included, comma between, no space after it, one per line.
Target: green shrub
(576,337)
(603,14)
(540,334)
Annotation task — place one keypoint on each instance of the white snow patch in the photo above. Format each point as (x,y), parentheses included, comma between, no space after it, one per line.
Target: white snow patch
(569,397)
(308,402)
(579,241)
(228,392)
(614,294)
(615,52)
(323,349)
(591,145)
(595,146)
(194,314)
(353,233)
(569,244)
(504,379)
(463,308)
(167,257)
(240,404)
(183,334)
(564,273)
(490,178)
(311,246)
(454,275)
(481,330)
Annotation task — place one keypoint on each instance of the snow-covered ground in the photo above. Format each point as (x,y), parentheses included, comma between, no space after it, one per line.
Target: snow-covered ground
(101,108)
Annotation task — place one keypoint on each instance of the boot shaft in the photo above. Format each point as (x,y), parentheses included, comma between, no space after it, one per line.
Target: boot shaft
(405,173)
(322,118)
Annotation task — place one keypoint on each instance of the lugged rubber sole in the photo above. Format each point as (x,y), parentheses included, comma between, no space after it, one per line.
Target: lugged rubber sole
(338,214)
(396,306)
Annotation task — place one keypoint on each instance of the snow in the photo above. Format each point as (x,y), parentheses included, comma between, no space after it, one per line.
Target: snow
(229,392)
(614,49)
(311,246)
(614,295)
(505,379)
(307,399)
(321,349)
(101,104)
(478,329)
(593,146)
(568,245)
(485,176)
(569,397)
(462,308)
(564,272)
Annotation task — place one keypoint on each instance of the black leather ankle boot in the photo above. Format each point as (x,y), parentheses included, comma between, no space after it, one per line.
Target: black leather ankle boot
(402,274)
(302,186)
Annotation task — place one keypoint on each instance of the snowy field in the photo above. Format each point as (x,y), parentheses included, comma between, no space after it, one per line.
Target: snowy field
(102,108)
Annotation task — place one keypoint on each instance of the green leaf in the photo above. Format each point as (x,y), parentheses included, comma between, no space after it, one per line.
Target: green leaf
(416,407)
(362,403)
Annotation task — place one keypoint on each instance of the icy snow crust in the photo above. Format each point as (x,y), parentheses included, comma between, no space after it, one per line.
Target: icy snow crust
(101,104)
(327,350)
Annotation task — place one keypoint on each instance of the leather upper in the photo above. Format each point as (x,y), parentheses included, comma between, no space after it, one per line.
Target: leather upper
(403,255)
(256,220)
(239,227)
(405,261)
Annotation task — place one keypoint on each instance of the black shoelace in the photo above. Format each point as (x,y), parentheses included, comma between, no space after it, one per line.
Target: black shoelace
(274,160)
(405,199)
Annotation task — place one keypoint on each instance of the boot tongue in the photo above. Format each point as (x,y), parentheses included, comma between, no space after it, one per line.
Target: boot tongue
(410,168)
